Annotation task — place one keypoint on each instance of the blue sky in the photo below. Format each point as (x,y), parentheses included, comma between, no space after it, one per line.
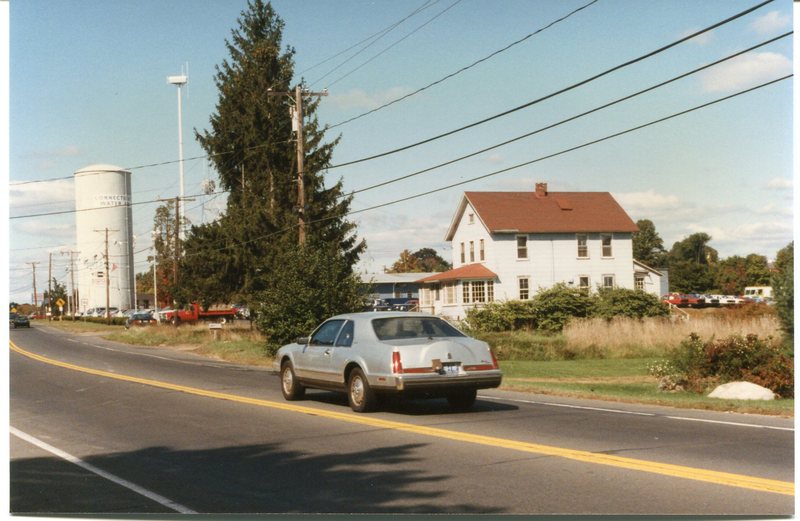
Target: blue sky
(88,85)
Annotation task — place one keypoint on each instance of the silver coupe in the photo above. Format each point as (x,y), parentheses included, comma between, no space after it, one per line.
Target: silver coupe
(367,355)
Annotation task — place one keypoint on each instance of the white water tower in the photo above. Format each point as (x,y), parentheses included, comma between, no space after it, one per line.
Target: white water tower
(103,209)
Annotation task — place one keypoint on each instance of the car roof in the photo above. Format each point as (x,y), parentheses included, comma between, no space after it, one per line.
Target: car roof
(370,315)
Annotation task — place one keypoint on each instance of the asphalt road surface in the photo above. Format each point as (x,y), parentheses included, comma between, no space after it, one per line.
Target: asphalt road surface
(104,428)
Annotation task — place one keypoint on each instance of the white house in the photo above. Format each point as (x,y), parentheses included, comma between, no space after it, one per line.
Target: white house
(509,245)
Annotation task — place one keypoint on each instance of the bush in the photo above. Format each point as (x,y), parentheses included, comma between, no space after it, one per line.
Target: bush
(621,302)
(551,309)
(699,365)
(555,306)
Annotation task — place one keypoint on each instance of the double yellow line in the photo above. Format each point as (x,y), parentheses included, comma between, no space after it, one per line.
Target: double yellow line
(665,469)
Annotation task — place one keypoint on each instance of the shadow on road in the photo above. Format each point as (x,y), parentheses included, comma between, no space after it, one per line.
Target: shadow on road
(411,407)
(248,479)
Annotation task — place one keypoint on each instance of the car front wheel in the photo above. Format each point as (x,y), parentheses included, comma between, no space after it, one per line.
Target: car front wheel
(359,394)
(290,387)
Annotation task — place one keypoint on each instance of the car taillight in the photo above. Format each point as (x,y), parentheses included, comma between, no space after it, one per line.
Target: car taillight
(397,365)
(494,360)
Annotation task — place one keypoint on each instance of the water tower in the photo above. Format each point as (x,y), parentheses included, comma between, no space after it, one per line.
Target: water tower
(103,222)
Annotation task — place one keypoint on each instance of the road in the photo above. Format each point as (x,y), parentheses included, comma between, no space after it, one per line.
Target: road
(104,428)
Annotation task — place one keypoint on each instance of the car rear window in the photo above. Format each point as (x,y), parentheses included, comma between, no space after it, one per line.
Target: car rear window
(394,328)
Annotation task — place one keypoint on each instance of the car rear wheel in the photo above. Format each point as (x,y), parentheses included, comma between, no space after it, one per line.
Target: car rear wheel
(290,387)
(462,400)
(359,394)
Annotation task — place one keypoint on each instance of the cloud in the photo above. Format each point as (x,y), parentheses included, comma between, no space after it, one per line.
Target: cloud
(360,99)
(780,183)
(771,22)
(642,202)
(746,71)
(34,198)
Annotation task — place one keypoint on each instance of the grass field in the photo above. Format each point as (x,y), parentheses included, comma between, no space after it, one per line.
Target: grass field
(610,365)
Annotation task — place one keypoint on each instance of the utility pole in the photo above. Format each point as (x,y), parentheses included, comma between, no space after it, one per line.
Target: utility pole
(108,279)
(297,127)
(49,311)
(72,303)
(35,300)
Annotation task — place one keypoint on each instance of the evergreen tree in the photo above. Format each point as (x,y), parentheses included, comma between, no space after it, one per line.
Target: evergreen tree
(251,144)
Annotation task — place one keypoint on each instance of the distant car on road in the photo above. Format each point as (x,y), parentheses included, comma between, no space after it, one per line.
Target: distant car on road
(16,320)
(370,354)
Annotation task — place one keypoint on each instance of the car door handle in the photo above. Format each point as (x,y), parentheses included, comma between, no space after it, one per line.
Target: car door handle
(327,352)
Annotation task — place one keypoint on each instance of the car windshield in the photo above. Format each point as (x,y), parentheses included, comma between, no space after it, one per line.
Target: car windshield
(394,328)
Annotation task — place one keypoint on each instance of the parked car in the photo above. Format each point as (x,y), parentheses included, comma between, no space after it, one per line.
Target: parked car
(141,318)
(370,354)
(16,320)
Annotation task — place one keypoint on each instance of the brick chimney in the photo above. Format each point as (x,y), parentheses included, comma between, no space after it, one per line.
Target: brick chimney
(541,189)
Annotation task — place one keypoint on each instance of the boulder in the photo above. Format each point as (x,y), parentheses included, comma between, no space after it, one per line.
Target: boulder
(742,391)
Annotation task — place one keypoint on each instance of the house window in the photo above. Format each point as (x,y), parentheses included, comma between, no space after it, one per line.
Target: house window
(608,281)
(606,238)
(463,257)
(472,218)
(436,293)
(524,288)
(522,246)
(472,251)
(583,246)
(478,291)
(465,292)
(583,283)
(449,292)
(482,252)
(639,282)
(481,291)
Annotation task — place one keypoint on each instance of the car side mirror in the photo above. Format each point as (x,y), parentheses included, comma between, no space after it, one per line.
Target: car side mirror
(303,340)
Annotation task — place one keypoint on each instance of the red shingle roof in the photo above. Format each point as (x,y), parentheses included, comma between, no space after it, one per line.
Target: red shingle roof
(470,271)
(550,212)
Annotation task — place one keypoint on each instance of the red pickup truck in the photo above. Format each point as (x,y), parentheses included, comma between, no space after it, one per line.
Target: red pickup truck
(194,312)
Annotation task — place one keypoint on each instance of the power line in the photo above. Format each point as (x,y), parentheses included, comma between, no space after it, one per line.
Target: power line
(572,118)
(340,78)
(556,93)
(377,37)
(508,169)
(43,214)
(459,71)
(496,172)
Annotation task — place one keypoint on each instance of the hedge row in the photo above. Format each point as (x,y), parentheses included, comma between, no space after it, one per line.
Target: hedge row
(550,309)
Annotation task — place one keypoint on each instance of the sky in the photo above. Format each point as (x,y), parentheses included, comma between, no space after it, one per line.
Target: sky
(87,85)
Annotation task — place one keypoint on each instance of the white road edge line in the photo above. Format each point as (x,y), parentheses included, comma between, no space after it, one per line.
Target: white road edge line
(619,411)
(736,424)
(111,477)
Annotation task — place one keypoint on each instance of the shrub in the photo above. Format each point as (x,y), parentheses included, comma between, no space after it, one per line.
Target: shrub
(622,302)
(701,364)
(554,307)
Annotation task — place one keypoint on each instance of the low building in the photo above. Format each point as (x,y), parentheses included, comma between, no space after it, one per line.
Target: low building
(382,286)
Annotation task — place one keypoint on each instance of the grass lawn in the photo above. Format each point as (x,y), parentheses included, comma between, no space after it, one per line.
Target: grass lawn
(619,379)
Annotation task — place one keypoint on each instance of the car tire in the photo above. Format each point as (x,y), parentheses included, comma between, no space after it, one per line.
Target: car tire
(360,395)
(290,387)
(462,400)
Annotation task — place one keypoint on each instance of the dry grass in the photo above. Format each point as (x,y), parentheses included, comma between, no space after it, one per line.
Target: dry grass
(623,337)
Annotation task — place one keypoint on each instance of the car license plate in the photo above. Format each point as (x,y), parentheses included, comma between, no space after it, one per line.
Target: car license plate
(452,369)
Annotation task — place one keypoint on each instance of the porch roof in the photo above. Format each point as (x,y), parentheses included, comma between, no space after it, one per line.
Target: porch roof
(468,272)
